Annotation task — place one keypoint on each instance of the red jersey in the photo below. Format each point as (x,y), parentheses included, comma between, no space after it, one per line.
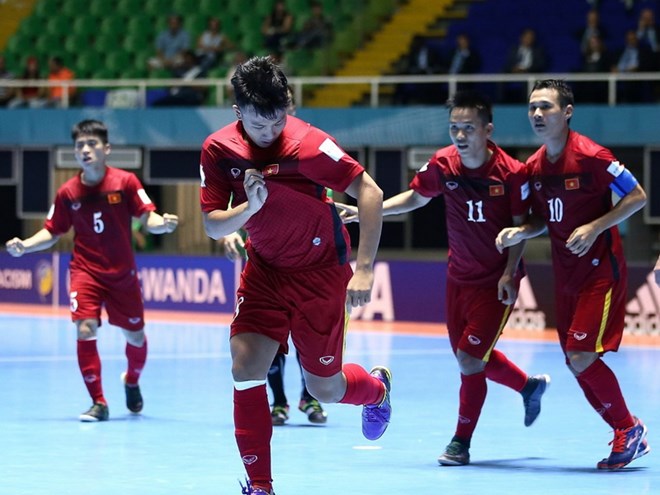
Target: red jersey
(571,192)
(101,219)
(479,204)
(298,227)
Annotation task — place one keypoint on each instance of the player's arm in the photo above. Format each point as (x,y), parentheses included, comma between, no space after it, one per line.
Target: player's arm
(43,239)
(582,238)
(219,223)
(506,288)
(656,271)
(401,203)
(511,236)
(370,202)
(160,224)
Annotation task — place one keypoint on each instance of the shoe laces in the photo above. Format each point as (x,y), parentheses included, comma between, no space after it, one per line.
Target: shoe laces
(618,443)
(312,404)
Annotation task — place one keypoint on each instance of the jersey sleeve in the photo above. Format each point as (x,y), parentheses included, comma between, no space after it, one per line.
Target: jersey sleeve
(139,201)
(58,221)
(520,194)
(428,179)
(323,161)
(215,190)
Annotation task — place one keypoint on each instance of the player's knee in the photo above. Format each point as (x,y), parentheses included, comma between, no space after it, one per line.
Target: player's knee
(325,391)
(469,365)
(86,329)
(580,361)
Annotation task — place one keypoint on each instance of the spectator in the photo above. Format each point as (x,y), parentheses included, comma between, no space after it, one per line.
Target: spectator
(212,44)
(58,72)
(422,59)
(592,28)
(170,45)
(277,27)
(186,95)
(647,34)
(526,57)
(30,96)
(595,59)
(6,92)
(464,60)
(634,57)
(316,31)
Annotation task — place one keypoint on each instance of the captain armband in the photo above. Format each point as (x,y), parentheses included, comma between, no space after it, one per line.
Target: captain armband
(624,183)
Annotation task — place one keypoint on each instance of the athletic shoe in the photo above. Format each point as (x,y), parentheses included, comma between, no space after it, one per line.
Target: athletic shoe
(455,454)
(279,414)
(98,412)
(376,417)
(312,408)
(134,401)
(532,402)
(628,444)
(249,490)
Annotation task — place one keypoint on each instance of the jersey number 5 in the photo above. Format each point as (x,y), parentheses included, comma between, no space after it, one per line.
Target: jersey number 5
(98,222)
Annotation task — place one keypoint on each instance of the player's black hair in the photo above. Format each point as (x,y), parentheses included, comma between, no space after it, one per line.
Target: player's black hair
(560,86)
(472,99)
(90,128)
(260,83)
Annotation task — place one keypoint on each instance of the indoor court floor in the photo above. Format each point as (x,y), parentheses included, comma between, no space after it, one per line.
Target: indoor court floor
(183,443)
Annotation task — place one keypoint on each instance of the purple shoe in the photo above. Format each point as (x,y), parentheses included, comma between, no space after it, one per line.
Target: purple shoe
(249,490)
(376,417)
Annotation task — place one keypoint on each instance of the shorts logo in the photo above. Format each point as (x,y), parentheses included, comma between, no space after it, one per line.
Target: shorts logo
(463,420)
(595,262)
(326,360)
(316,241)
(451,185)
(474,340)
(249,459)
(134,320)
(579,335)
(235,172)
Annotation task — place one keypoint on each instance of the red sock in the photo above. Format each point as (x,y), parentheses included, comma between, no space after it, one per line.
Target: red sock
(361,387)
(500,370)
(472,397)
(603,384)
(137,356)
(90,368)
(595,403)
(253,430)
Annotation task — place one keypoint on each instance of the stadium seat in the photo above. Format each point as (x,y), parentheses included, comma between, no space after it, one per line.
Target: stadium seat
(47,9)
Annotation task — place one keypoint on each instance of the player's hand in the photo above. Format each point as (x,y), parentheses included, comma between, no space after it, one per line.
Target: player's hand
(581,240)
(15,247)
(358,292)
(508,237)
(347,213)
(255,189)
(170,222)
(506,290)
(232,244)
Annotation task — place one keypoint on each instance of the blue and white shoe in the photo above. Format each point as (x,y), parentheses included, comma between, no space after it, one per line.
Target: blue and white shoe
(376,417)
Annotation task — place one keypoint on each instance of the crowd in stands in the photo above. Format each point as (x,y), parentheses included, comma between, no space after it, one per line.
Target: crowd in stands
(181,54)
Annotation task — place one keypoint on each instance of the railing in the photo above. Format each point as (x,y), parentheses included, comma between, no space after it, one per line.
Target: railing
(375,83)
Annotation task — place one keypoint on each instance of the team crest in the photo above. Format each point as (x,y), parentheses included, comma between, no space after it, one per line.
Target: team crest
(272,169)
(114,198)
(572,184)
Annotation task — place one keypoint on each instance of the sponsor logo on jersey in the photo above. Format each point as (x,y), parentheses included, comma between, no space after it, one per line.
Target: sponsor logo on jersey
(326,360)
(579,335)
(572,184)
(497,190)
(235,172)
(474,340)
(249,459)
(538,185)
(451,185)
(615,168)
(114,198)
(74,206)
(331,149)
(272,169)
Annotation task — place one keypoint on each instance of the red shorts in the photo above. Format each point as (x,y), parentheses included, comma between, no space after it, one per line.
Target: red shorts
(475,319)
(122,299)
(311,305)
(593,319)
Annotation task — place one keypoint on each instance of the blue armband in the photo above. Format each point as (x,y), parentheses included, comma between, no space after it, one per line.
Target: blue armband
(623,183)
